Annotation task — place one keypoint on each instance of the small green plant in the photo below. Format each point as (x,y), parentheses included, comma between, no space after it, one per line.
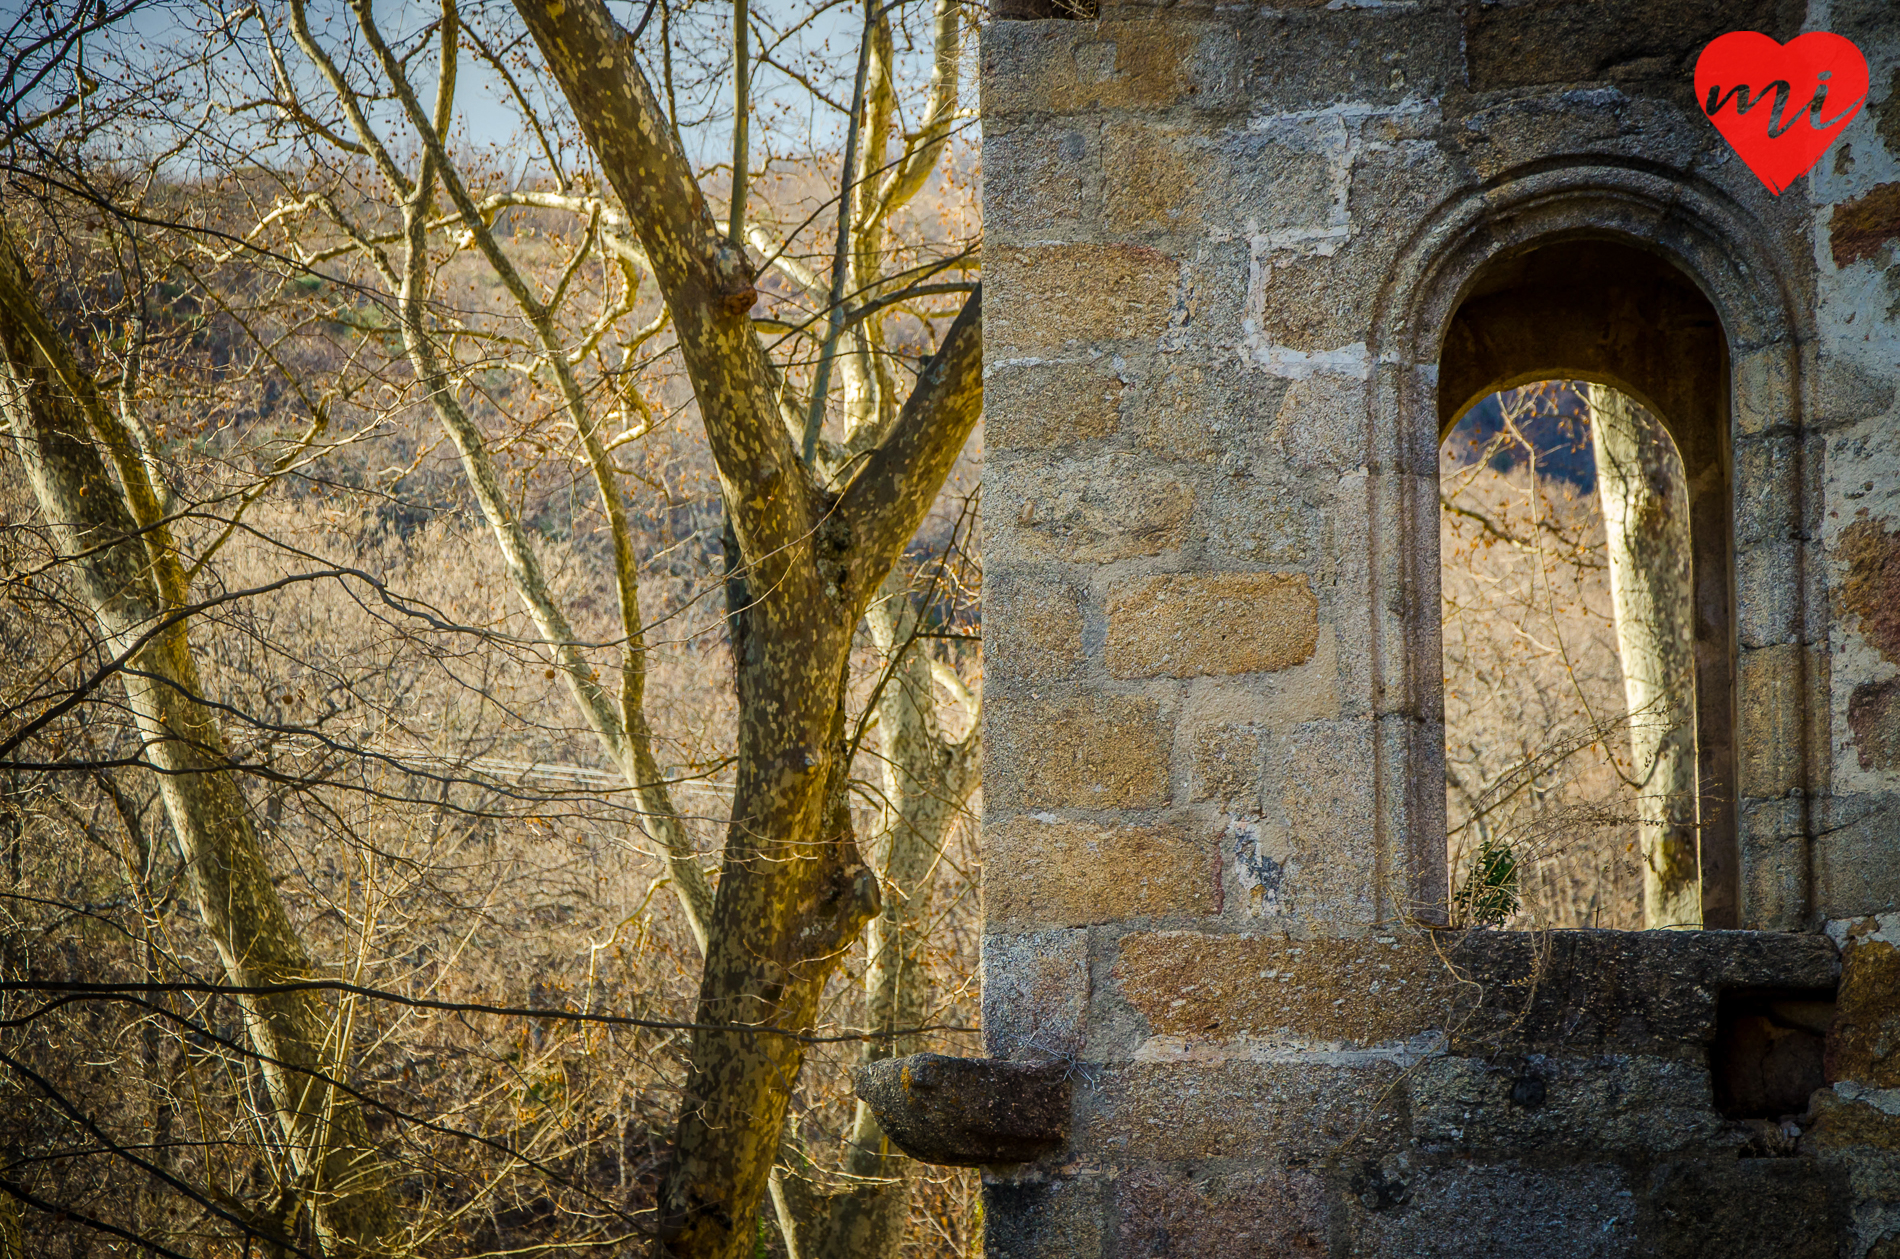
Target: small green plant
(1489,895)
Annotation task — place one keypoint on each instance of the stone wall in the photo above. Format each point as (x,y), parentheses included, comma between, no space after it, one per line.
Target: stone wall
(1223,247)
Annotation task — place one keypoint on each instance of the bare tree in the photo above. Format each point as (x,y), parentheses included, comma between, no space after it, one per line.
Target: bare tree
(1646,525)
(367,195)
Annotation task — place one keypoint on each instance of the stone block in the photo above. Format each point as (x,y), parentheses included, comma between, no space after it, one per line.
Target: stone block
(1078,752)
(1849,1117)
(1198,624)
(1226,766)
(1768,594)
(1040,179)
(1856,837)
(1863,1045)
(1539,1106)
(1287,1112)
(1751,1208)
(1309,993)
(1461,1211)
(1270,1213)
(1113,508)
(1035,994)
(1646,992)
(1322,423)
(1381,57)
(1042,406)
(1771,688)
(1644,48)
(1144,65)
(1055,1218)
(1201,408)
(1764,390)
(1035,629)
(1247,517)
(1049,873)
(1047,296)
(1164,178)
(1332,867)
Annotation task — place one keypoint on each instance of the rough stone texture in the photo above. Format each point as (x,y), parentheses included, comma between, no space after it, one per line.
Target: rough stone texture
(1267,1214)
(1035,994)
(1236,255)
(967,1112)
(1085,752)
(1282,1111)
(1045,405)
(1351,993)
(1051,295)
(1864,1043)
(1454,1212)
(1045,873)
(1191,625)
(1616,1103)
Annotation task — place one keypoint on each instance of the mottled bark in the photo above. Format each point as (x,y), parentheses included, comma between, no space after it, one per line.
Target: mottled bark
(926,781)
(1646,523)
(131,578)
(793,891)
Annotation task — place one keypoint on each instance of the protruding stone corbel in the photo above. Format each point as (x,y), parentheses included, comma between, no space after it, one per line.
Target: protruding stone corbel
(968,1112)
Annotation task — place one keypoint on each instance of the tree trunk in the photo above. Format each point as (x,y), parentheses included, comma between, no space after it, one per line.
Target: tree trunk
(1646,521)
(122,572)
(926,781)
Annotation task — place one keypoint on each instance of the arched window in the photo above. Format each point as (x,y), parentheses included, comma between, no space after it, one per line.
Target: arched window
(1583,405)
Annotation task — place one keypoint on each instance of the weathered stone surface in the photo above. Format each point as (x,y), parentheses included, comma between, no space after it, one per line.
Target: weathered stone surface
(1040,179)
(1863,1045)
(1048,873)
(1194,624)
(1638,991)
(1863,226)
(1170,178)
(1641,46)
(1538,1104)
(1114,508)
(1853,862)
(1046,296)
(1849,1117)
(1772,687)
(1044,611)
(1870,586)
(1087,751)
(1314,992)
(1055,1218)
(1045,405)
(1287,1112)
(1227,766)
(1035,994)
(967,1112)
(1498,1212)
(1273,1213)
(1330,868)
(1752,1208)
(1067,67)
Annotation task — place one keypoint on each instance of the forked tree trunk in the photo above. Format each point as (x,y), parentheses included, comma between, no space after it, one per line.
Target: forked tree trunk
(1646,521)
(130,579)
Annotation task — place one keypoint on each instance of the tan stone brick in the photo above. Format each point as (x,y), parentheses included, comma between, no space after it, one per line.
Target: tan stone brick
(1109,509)
(1182,179)
(1227,765)
(1193,624)
(1082,752)
(1771,690)
(1284,1111)
(1048,295)
(1036,628)
(1067,874)
(1324,992)
(1045,405)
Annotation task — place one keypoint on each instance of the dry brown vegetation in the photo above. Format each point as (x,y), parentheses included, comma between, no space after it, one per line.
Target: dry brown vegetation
(1536,734)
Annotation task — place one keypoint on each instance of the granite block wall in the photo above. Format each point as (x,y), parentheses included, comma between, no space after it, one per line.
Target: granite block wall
(1223,247)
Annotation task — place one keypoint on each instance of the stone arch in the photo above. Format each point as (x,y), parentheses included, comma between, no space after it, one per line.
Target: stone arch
(1689,254)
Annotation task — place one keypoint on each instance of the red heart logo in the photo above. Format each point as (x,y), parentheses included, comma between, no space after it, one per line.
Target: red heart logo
(1780,105)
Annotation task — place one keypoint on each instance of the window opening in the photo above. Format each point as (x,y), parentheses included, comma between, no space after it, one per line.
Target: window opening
(1567,602)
